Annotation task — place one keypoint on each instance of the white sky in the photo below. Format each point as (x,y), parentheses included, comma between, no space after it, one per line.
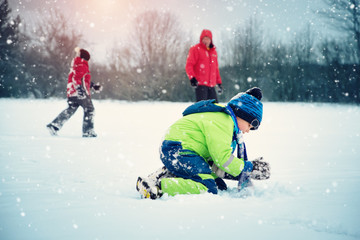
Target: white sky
(103,22)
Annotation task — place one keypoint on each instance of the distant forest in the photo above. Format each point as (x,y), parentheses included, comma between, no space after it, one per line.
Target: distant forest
(35,62)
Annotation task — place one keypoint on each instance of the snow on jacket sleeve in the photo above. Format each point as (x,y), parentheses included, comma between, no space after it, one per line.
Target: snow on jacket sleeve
(209,134)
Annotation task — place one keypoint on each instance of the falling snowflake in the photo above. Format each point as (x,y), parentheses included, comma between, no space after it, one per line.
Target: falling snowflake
(230,9)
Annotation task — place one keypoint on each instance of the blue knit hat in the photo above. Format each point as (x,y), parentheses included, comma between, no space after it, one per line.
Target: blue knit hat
(247,106)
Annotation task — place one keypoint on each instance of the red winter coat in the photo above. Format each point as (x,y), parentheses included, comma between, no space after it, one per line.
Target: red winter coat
(79,75)
(202,63)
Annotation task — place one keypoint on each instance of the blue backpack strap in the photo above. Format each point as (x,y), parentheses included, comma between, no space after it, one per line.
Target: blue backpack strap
(204,106)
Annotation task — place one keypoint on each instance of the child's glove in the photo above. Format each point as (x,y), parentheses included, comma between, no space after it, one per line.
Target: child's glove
(253,169)
(81,92)
(194,82)
(96,86)
(221,185)
(261,170)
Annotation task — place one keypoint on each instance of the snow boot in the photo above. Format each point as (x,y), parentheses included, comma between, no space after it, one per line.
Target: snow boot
(148,189)
(52,129)
(89,134)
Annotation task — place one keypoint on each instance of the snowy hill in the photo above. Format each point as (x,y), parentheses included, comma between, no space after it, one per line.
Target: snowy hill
(67,187)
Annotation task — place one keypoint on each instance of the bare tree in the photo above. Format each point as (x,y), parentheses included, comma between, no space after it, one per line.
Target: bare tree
(243,57)
(49,53)
(344,16)
(304,46)
(153,60)
(245,44)
(302,52)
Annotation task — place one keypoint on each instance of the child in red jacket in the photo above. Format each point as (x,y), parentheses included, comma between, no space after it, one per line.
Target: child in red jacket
(78,94)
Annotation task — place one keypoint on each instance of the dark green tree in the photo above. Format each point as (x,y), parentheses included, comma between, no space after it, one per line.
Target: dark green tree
(9,52)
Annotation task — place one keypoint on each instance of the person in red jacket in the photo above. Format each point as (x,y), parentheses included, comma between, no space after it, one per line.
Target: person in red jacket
(202,68)
(78,94)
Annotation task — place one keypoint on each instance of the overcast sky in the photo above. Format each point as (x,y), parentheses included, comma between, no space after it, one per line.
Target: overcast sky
(105,21)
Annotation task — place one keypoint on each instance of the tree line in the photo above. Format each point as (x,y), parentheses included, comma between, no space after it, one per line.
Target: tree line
(150,64)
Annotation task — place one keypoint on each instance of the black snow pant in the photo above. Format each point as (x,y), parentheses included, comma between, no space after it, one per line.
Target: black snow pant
(74,103)
(205,93)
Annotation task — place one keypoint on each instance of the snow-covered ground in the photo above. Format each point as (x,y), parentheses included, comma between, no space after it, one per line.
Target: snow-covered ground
(67,187)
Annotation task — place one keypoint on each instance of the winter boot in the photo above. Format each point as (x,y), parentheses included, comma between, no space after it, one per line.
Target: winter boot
(89,134)
(52,129)
(148,188)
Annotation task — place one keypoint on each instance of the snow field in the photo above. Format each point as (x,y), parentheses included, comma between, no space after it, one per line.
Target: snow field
(67,187)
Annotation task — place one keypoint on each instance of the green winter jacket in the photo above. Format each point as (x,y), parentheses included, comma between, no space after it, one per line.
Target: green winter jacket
(210,135)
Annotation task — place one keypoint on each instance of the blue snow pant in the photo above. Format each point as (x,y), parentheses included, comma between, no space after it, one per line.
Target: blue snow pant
(186,164)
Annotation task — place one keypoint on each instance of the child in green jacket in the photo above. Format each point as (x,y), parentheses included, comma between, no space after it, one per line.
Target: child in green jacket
(198,149)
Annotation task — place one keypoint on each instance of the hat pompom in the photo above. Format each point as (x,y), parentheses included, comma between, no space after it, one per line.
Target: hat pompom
(77,49)
(256,92)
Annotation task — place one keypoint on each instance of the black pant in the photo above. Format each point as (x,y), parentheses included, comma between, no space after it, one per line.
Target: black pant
(205,93)
(74,103)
